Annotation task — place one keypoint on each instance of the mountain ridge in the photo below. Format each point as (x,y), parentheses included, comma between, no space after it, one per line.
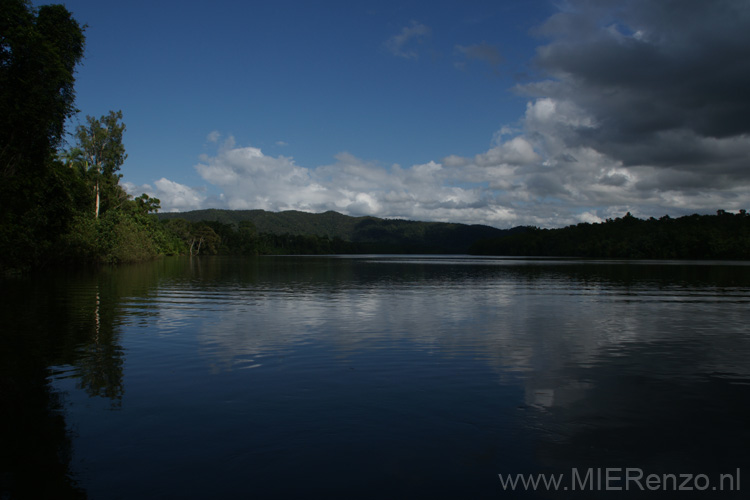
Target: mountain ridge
(380,234)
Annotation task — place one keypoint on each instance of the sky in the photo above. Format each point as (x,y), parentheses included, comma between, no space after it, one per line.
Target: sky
(502,112)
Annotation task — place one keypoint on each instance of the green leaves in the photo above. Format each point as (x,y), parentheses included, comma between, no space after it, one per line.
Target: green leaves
(722,236)
(100,143)
(39,50)
(38,55)
(145,204)
(99,154)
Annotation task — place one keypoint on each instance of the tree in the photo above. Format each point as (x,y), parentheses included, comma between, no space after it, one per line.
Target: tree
(145,204)
(203,236)
(99,154)
(38,55)
(39,50)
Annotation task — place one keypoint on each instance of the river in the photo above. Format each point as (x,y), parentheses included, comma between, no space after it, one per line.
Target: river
(377,377)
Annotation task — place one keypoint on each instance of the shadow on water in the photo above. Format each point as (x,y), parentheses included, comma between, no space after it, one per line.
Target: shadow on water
(36,446)
(64,321)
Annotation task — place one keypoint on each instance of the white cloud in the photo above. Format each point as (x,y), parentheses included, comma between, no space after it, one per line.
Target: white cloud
(402,44)
(516,151)
(174,197)
(533,178)
(539,174)
(638,113)
(177,197)
(250,179)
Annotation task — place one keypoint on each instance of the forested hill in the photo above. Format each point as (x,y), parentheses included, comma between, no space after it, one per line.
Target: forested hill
(721,236)
(368,233)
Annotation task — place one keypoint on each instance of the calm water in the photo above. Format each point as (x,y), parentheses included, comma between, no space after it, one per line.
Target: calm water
(372,377)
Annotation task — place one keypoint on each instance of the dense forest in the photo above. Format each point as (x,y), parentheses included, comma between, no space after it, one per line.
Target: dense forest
(61,199)
(331,232)
(61,203)
(721,236)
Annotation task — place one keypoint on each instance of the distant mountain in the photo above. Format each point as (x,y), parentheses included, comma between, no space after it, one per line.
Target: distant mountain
(721,236)
(374,234)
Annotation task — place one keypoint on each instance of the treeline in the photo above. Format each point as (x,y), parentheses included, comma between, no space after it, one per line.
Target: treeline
(293,222)
(721,236)
(59,204)
(371,235)
(351,234)
(218,238)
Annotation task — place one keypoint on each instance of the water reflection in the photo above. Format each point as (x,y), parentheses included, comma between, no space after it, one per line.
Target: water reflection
(519,318)
(437,373)
(621,364)
(56,326)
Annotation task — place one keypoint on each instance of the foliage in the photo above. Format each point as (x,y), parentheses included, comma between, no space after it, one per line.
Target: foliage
(66,206)
(145,204)
(721,236)
(333,231)
(98,156)
(39,50)
(70,206)
(127,234)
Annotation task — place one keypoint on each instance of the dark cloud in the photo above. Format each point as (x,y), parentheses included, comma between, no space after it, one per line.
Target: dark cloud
(616,180)
(566,158)
(689,183)
(545,185)
(665,82)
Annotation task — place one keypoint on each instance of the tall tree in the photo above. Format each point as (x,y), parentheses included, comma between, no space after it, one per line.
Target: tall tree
(39,51)
(100,152)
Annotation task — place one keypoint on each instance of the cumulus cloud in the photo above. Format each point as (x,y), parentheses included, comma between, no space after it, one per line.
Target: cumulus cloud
(174,197)
(642,107)
(661,83)
(250,179)
(403,43)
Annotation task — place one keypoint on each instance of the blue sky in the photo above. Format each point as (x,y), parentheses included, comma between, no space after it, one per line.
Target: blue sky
(492,112)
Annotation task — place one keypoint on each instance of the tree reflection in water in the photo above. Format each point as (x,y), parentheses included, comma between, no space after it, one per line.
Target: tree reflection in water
(56,325)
